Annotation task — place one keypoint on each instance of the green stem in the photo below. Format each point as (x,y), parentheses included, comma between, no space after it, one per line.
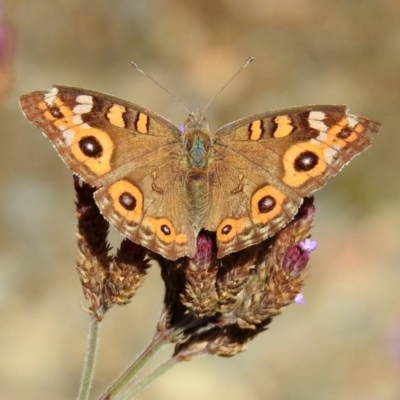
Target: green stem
(131,392)
(156,344)
(90,359)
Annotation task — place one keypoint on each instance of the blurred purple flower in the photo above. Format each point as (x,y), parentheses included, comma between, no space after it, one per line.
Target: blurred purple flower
(393,343)
(7,44)
(295,259)
(299,299)
(204,250)
(308,245)
(2,33)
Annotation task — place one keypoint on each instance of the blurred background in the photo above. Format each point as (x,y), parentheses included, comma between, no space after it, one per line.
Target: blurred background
(344,343)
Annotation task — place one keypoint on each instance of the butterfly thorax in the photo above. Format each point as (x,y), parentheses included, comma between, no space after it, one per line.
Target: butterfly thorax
(198,146)
(197,142)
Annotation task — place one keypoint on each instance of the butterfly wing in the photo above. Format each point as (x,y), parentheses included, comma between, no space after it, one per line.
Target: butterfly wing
(130,153)
(264,165)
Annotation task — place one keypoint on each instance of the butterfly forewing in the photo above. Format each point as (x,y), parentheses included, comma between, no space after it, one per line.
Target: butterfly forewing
(96,134)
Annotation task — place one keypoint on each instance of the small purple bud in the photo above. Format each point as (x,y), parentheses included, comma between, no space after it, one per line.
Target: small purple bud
(204,249)
(295,259)
(308,245)
(299,299)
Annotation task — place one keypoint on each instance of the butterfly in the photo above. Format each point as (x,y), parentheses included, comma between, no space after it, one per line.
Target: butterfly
(160,186)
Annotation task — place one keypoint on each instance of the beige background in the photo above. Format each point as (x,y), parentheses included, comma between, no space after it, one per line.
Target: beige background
(342,343)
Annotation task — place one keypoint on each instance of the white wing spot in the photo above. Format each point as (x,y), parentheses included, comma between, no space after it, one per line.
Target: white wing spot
(321,138)
(330,153)
(68,135)
(50,96)
(85,126)
(352,120)
(77,120)
(82,108)
(315,119)
(317,115)
(84,99)
(85,104)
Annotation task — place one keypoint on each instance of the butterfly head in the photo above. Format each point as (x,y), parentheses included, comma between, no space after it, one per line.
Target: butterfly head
(196,122)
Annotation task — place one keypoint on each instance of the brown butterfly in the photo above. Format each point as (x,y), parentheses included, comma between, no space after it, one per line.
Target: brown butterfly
(160,186)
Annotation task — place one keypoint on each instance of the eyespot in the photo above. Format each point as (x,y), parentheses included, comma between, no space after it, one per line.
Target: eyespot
(344,133)
(229,228)
(266,204)
(226,229)
(165,230)
(91,147)
(128,201)
(306,161)
(56,112)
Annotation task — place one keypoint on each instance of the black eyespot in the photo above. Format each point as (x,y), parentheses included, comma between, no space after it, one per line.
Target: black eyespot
(266,204)
(55,112)
(306,161)
(344,133)
(91,147)
(165,230)
(128,201)
(226,229)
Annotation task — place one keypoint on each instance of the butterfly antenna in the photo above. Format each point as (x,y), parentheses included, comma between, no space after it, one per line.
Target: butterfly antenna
(248,61)
(136,66)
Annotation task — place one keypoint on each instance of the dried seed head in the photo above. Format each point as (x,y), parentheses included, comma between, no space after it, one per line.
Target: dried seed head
(126,273)
(93,249)
(219,305)
(106,279)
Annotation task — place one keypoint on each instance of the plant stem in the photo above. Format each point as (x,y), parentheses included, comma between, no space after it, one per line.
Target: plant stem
(131,392)
(156,344)
(90,359)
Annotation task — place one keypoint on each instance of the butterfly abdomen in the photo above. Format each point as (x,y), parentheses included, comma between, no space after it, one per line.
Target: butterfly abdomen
(198,197)
(197,180)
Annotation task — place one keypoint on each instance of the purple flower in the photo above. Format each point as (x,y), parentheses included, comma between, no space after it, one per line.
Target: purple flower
(204,250)
(299,299)
(295,259)
(308,245)
(6,41)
